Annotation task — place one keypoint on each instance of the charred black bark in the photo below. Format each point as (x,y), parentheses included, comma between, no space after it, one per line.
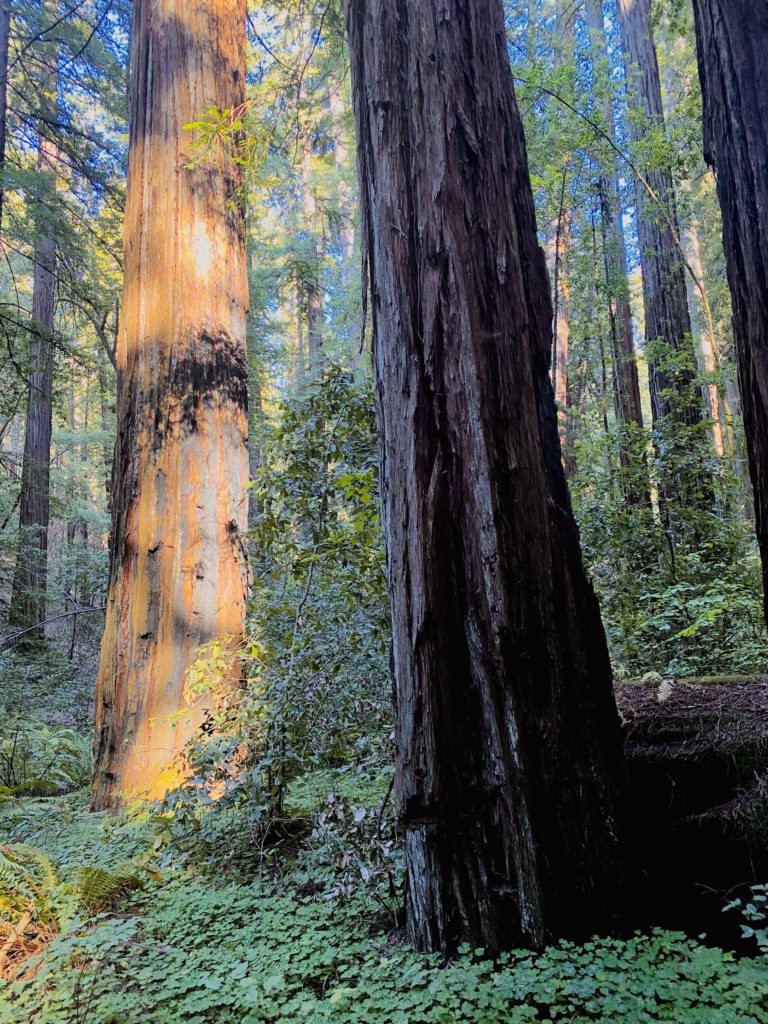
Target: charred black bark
(508,742)
(732,46)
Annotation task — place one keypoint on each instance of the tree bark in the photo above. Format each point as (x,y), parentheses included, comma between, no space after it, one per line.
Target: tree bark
(667,318)
(508,747)
(181,459)
(732,47)
(28,595)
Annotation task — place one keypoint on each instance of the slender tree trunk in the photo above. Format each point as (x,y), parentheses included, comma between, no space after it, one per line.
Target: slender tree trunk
(732,46)
(345,201)
(507,735)
(626,386)
(532,30)
(106,416)
(312,279)
(706,345)
(5,35)
(559,245)
(667,318)
(28,596)
(181,460)
(255,403)
(300,356)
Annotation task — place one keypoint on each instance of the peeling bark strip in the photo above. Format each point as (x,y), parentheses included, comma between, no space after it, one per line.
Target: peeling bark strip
(181,461)
(732,46)
(508,741)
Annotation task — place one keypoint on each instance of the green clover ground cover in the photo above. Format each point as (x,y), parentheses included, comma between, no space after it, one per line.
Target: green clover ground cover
(211,949)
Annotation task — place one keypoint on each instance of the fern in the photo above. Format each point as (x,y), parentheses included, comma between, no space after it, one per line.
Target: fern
(97,889)
(35,904)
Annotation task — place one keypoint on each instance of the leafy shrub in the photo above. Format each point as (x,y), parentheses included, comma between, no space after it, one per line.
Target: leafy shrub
(754,911)
(318,689)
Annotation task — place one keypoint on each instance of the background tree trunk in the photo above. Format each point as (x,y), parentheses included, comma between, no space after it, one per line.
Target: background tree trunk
(181,461)
(625,378)
(559,245)
(664,292)
(508,744)
(28,595)
(732,46)
(312,286)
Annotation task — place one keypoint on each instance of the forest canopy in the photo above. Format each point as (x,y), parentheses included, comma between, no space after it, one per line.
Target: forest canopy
(383,530)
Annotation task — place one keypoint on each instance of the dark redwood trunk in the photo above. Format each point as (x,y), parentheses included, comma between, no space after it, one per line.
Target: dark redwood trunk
(667,318)
(28,596)
(508,743)
(732,44)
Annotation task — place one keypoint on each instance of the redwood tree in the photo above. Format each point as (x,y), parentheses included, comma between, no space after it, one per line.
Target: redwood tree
(667,317)
(626,388)
(732,46)
(181,461)
(28,594)
(507,734)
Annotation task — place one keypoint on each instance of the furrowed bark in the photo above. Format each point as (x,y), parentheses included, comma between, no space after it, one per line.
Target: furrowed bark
(181,459)
(507,734)
(732,47)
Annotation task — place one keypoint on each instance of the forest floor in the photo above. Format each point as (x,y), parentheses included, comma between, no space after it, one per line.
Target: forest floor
(297,926)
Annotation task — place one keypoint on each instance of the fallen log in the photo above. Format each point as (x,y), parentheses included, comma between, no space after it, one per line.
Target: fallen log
(697,763)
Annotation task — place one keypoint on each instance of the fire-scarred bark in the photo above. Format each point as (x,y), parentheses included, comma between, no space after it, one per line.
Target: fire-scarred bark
(181,461)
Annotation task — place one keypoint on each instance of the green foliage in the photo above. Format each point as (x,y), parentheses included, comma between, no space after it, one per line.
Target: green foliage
(253,953)
(754,912)
(41,760)
(318,691)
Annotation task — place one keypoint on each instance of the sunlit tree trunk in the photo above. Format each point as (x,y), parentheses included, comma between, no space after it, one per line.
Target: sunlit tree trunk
(559,245)
(667,317)
(106,417)
(732,46)
(28,596)
(706,344)
(507,737)
(181,460)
